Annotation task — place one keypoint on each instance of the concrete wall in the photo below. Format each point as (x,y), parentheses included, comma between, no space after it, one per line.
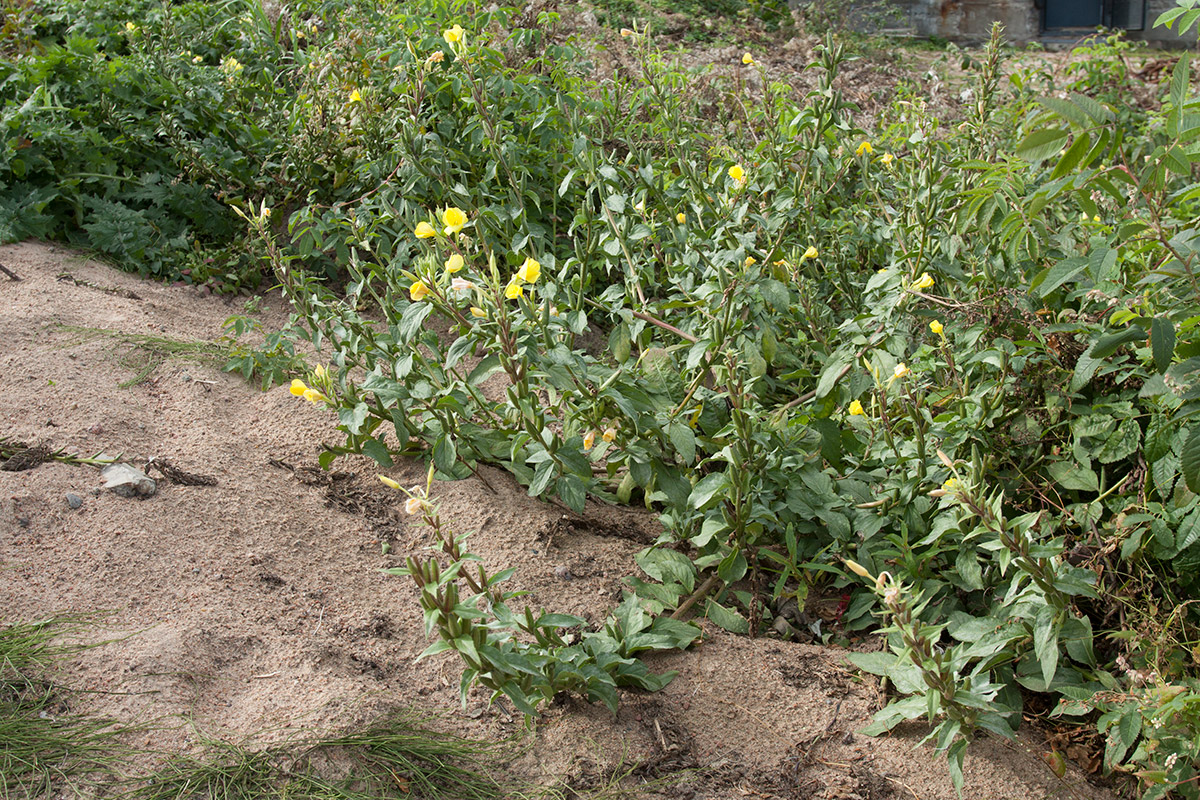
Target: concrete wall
(970,21)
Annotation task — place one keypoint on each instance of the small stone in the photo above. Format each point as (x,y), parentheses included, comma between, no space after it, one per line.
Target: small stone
(74,500)
(562,573)
(128,481)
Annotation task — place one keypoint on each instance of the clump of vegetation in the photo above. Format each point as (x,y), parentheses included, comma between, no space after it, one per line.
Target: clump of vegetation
(46,748)
(948,367)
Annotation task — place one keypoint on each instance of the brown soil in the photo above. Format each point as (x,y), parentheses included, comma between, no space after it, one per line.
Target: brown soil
(257,608)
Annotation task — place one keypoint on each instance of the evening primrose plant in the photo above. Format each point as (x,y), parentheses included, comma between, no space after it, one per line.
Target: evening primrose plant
(766,332)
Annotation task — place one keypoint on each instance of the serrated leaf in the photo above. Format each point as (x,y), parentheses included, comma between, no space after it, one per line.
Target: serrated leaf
(1162,342)
(1189,460)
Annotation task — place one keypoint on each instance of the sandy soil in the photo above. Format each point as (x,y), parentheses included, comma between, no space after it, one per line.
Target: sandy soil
(256,607)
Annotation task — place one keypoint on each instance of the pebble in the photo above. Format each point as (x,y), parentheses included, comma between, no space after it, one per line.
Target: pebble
(74,500)
(562,573)
(128,481)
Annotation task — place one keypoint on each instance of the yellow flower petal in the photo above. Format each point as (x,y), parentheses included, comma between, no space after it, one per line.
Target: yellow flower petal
(418,291)
(298,388)
(514,289)
(454,263)
(901,370)
(737,173)
(936,326)
(864,149)
(747,59)
(424,231)
(313,396)
(923,282)
(811,252)
(355,97)
(856,409)
(589,439)
(750,261)
(680,218)
(478,312)
(609,435)
(529,271)
(414,505)
(453,35)
(454,219)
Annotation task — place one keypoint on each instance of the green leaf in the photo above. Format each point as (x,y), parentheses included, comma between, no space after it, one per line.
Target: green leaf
(1189,461)
(378,452)
(1188,533)
(1162,342)
(352,418)
(573,492)
(1069,269)
(1071,475)
(708,488)
(877,663)
(1121,443)
(733,566)
(668,566)
(726,618)
(485,369)
(412,319)
(1040,145)
(1045,641)
(445,454)
(683,439)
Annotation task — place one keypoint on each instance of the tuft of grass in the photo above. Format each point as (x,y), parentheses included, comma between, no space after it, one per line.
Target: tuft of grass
(44,748)
(145,353)
(400,757)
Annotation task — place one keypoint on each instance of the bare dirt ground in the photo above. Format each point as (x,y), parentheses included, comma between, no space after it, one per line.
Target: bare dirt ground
(257,607)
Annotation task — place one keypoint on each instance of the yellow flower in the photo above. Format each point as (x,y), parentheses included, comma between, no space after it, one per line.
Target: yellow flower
(626,32)
(197,59)
(313,396)
(923,282)
(680,218)
(810,253)
(589,439)
(454,263)
(388,482)
(514,289)
(529,271)
(453,35)
(418,291)
(454,219)
(900,371)
(414,505)
(231,65)
(640,207)
(751,261)
(129,26)
(436,57)
(298,388)
(737,173)
(936,326)
(609,435)
(478,312)
(886,159)
(355,97)
(950,485)
(856,409)
(320,373)
(858,569)
(424,231)
(864,148)
(747,59)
